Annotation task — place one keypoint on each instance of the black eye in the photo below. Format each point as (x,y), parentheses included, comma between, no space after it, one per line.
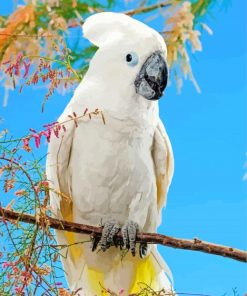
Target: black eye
(128,57)
(132,59)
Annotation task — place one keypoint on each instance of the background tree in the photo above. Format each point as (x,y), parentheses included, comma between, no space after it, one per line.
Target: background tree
(43,33)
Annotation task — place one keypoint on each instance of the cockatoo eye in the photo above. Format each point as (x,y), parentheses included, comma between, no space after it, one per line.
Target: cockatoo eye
(132,59)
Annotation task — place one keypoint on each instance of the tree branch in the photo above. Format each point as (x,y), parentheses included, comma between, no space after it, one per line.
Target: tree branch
(151,238)
(145,9)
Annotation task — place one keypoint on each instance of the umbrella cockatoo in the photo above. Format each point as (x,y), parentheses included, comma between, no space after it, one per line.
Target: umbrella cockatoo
(117,173)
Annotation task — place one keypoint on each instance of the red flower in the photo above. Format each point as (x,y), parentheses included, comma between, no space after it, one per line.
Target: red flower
(20,192)
(56,131)
(8,184)
(37,139)
(26,144)
(26,67)
(35,78)
(47,134)
(59,284)
(18,290)
(44,184)
(6,264)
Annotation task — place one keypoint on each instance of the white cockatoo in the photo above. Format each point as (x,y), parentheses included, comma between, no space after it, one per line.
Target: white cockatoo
(117,173)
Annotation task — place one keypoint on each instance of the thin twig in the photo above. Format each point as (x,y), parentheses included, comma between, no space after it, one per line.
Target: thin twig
(131,12)
(74,118)
(28,35)
(149,8)
(20,167)
(151,238)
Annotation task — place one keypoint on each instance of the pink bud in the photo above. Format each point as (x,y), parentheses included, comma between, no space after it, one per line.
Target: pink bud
(26,67)
(6,264)
(59,284)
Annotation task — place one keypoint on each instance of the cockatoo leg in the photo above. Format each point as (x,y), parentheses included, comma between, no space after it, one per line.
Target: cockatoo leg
(110,228)
(129,232)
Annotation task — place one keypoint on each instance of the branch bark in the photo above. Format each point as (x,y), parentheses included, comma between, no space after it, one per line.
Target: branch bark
(150,238)
(145,9)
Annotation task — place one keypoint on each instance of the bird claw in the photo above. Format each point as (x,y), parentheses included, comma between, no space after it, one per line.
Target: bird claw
(95,242)
(143,249)
(110,229)
(129,232)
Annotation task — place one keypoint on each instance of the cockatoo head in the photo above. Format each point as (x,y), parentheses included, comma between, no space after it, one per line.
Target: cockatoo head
(131,55)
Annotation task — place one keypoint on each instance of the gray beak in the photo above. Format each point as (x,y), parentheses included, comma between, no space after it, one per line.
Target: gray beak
(152,78)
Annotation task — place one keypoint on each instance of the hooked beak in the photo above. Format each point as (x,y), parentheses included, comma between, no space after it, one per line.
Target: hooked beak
(152,78)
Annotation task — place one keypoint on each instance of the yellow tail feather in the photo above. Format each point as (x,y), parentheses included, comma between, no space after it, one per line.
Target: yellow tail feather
(145,273)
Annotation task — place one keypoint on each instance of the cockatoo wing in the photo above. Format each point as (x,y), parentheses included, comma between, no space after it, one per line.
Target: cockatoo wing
(164,166)
(163,163)
(58,175)
(57,166)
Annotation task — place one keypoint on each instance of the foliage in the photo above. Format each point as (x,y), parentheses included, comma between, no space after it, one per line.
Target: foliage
(30,263)
(41,26)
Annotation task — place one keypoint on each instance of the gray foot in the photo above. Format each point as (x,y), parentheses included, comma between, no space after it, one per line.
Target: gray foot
(129,233)
(110,229)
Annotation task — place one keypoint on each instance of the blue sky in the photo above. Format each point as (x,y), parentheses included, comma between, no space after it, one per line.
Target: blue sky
(207,198)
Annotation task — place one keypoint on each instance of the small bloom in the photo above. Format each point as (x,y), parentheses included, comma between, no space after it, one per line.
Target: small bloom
(35,78)
(63,292)
(18,290)
(56,131)
(59,284)
(21,192)
(15,269)
(26,67)
(6,264)
(8,184)
(47,134)
(26,145)
(43,185)
(37,139)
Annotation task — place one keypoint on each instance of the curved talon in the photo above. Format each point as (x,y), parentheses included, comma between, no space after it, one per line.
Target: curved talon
(95,242)
(110,229)
(143,248)
(129,232)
